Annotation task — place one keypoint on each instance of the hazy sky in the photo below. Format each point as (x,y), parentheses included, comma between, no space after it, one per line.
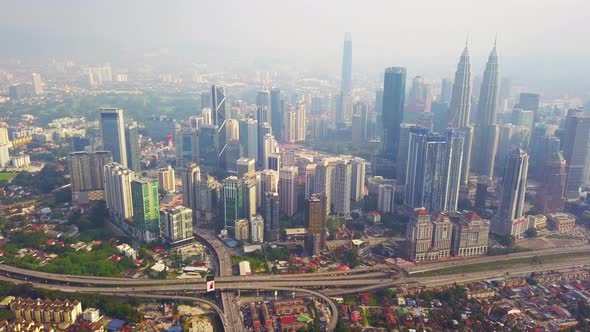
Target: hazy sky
(423,35)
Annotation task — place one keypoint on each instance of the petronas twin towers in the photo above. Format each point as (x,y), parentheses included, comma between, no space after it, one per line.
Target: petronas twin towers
(485,133)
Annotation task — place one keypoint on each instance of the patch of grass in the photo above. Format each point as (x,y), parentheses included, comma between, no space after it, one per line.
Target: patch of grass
(501,264)
(7,176)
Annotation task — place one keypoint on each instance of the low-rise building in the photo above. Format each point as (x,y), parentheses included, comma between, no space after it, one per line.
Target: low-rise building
(57,312)
(561,221)
(289,307)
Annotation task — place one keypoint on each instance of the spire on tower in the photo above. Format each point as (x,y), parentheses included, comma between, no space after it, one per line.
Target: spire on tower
(466,50)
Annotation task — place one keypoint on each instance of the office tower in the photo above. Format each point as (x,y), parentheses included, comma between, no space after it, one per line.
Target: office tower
(470,236)
(5,146)
(219,118)
(87,175)
(575,150)
(132,146)
(249,138)
(487,108)
(263,99)
(510,136)
(481,192)
(257,229)
(21,91)
(191,176)
(209,147)
(452,168)
(233,130)
(446,90)
(551,196)
(417,92)
(271,213)
(176,225)
(419,236)
(242,230)
(166,179)
(346,87)
(529,101)
(264,131)
(159,128)
(357,185)
(276,113)
(460,108)
(269,147)
(341,187)
(112,129)
(269,181)
(245,165)
(117,191)
(207,115)
(309,179)
(386,198)
(541,132)
(207,198)
(509,220)
(205,99)
(316,223)
(394,91)
(37,84)
(186,142)
(146,208)
(232,201)
(323,183)
(249,195)
(288,181)
(344,109)
(274,161)
(379,101)
(233,152)
(402,153)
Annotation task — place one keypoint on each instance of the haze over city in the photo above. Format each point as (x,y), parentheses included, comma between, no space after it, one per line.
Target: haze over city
(294,166)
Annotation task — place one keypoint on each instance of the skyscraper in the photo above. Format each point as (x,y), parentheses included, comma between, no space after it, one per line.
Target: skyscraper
(87,175)
(276,113)
(191,176)
(316,223)
(453,167)
(358,171)
(246,165)
(460,108)
(232,201)
(209,146)
(402,153)
(271,208)
(346,87)
(323,183)
(176,225)
(132,146)
(112,129)
(257,229)
(394,91)
(186,142)
(166,179)
(288,180)
(249,138)
(117,191)
(575,150)
(37,84)
(485,140)
(219,118)
(341,187)
(509,220)
(146,208)
(551,196)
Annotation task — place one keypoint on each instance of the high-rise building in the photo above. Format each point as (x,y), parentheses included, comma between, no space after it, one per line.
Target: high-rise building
(358,172)
(246,165)
(233,130)
(269,148)
(117,191)
(269,181)
(166,179)
(510,136)
(276,113)
(510,220)
(270,211)
(249,195)
(191,176)
(453,166)
(132,146)
(487,108)
(207,114)
(322,183)
(316,223)
(288,180)
(187,146)
(209,147)
(87,175)
(346,87)
(112,128)
(207,197)
(386,198)
(242,230)
(341,187)
(575,150)
(460,108)
(249,138)
(537,152)
(233,153)
(446,90)
(146,208)
(551,196)
(219,119)
(232,201)
(402,153)
(394,91)
(344,108)
(274,161)
(257,229)
(176,225)
(37,84)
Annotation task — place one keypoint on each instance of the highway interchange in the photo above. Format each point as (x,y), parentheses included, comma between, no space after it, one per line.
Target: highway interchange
(321,285)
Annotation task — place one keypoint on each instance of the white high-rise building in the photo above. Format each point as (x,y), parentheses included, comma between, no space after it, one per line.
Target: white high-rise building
(385,200)
(5,146)
(37,84)
(176,224)
(242,230)
(166,179)
(270,147)
(322,183)
(269,181)
(257,229)
(191,178)
(357,190)
(341,187)
(117,190)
